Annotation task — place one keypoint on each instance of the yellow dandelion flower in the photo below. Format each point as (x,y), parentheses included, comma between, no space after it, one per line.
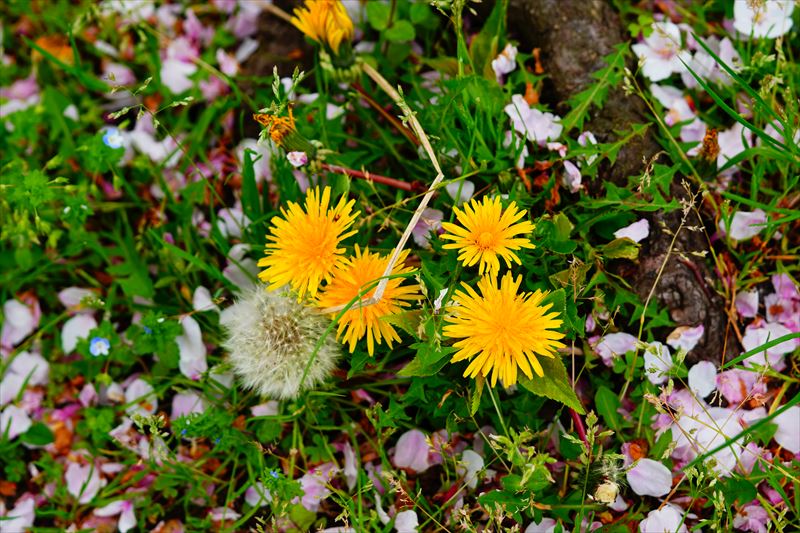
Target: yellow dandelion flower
(487,234)
(304,251)
(324,21)
(353,276)
(501,330)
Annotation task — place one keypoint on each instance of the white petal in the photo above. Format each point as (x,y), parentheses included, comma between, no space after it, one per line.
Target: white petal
(614,345)
(72,296)
(127,519)
(703,378)
(788,434)
(547,525)
(192,349)
(637,232)
(466,188)
(15,421)
(471,463)
(745,225)
(650,478)
(668,519)
(406,522)
(350,466)
(657,362)
(141,398)
(18,322)
(31,366)
(202,301)
(77,327)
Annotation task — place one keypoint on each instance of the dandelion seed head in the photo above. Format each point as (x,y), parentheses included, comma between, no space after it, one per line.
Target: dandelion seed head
(271,339)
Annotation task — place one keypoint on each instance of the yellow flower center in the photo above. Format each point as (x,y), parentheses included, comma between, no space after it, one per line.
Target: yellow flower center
(485,240)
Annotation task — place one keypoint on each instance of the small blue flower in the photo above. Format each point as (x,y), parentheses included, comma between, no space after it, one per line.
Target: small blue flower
(99,346)
(274,473)
(113,138)
(216,441)
(148,330)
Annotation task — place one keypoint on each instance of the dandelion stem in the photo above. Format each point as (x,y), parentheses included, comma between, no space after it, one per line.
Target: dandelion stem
(576,419)
(377,178)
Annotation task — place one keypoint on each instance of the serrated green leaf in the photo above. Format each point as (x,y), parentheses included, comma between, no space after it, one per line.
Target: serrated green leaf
(476,395)
(554,384)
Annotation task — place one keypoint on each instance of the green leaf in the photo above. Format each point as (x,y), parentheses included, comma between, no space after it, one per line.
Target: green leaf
(378,15)
(623,248)
(429,361)
(250,198)
(400,32)
(421,15)
(38,434)
(607,403)
(554,385)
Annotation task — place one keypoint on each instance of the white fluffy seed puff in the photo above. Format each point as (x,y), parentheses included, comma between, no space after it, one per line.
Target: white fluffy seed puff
(271,338)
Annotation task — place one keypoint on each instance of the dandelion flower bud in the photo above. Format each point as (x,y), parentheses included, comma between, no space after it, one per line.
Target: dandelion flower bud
(271,341)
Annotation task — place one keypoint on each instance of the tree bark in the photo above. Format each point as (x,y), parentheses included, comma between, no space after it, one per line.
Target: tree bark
(574,36)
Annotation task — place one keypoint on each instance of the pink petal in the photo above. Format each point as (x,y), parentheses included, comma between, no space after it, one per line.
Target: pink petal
(141,398)
(350,466)
(112,509)
(747,303)
(412,451)
(227,63)
(314,484)
(744,224)
(269,408)
(572,177)
(72,296)
(429,221)
(613,345)
(77,327)
(650,478)
(638,231)
(686,337)
(755,337)
(223,513)
(257,495)
(83,481)
(21,517)
(187,403)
